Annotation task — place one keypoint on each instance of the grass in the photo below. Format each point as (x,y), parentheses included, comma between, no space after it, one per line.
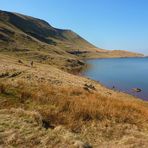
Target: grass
(75,107)
(49,114)
(20,128)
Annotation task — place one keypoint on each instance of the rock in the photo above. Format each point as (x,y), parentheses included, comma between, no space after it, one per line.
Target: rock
(47,125)
(113,87)
(20,61)
(86,88)
(80,144)
(89,86)
(137,89)
(81,62)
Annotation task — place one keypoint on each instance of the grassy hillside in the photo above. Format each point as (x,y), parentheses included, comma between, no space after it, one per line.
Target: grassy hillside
(45,106)
(35,39)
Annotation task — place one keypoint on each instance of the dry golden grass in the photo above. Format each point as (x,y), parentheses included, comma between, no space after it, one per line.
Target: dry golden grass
(20,128)
(74,107)
(94,118)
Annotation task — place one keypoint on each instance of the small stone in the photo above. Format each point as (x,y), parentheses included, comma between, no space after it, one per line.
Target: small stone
(137,89)
(80,144)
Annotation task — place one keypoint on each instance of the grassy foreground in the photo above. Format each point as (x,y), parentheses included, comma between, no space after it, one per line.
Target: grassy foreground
(86,115)
(43,106)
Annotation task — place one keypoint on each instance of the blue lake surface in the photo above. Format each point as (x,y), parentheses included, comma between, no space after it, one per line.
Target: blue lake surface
(123,73)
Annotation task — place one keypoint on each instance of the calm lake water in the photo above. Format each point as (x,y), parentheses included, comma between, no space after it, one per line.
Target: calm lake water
(123,73)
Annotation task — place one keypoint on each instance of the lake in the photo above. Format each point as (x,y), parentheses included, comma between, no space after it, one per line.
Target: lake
(123,73)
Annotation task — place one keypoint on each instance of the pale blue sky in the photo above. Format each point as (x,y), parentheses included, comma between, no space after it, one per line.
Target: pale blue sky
(109,24)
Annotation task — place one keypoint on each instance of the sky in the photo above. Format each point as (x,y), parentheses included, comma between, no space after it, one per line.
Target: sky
(108,24)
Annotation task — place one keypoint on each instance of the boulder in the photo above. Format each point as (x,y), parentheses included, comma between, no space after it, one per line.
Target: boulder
(137,89)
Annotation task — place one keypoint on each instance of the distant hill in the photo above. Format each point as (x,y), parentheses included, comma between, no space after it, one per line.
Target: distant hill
(35,39)
(42,31)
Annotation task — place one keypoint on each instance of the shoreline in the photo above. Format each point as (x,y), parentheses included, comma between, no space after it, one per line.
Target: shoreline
(103,85)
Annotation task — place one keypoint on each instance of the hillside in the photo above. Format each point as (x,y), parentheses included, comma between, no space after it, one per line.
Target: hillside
(43,106)
(35,39)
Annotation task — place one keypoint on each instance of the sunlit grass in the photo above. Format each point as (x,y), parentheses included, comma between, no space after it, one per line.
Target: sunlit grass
(75,106)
